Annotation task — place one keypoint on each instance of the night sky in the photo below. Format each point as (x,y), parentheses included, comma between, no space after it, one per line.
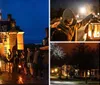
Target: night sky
(74,5)
(30,15)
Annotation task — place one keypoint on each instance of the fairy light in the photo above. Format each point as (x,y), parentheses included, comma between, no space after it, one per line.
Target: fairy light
(57,51)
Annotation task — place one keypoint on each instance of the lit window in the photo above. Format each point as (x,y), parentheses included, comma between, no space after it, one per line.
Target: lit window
(5,50)
(5,39)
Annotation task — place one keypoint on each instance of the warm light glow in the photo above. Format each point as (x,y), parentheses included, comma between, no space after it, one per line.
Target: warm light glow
(88,73)
(56,70)
(20,41)
(96,32)
(76,70)
(55,24)
(90,33)
(20,80)
(44,48)
(65,74)
(85,36)
(82,10)
(19,66)
(52,71)
(84,74)
(0,64)
(77,16)
(98,13)
(1,81)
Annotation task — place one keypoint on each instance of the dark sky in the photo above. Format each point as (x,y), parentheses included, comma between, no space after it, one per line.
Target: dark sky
(74,5)
(71,3)
(67,47)
(30,15)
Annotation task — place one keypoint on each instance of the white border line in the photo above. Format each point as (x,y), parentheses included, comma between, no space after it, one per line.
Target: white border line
(62,41)
(74,41)
(49,41)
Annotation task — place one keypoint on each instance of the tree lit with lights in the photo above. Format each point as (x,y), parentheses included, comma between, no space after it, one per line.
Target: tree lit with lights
(57,51)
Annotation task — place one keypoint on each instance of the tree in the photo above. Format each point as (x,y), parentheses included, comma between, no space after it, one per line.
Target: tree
(83,56)
(57,57)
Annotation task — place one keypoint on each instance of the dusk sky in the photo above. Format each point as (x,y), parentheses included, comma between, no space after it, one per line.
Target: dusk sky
(30,15)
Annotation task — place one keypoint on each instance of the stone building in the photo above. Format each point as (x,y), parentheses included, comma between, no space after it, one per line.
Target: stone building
(11,36)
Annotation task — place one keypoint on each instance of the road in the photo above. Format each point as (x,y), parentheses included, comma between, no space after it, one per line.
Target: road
(73,83)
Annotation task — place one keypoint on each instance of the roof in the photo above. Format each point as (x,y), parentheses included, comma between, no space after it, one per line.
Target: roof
(8,27)
(95,20)
(17,29)
(4,22)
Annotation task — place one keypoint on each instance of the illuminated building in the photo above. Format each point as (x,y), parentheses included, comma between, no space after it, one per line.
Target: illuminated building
(11,36)
(94,30)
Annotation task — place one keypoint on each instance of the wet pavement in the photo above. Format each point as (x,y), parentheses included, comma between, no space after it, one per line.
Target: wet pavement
(74,83)
(15,78)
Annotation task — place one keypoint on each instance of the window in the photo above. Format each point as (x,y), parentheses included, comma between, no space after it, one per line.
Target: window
(5,38)
(5,50)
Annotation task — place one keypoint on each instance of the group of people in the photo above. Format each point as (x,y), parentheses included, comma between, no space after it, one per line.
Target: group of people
(29,62)
(35,62)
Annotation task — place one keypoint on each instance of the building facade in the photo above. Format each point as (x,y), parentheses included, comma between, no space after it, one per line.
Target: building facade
(11,36)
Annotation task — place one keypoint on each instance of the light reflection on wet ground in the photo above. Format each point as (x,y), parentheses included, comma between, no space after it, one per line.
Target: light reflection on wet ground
(14,78)
(7,77)
(20,80)
(74,83)
(1,81)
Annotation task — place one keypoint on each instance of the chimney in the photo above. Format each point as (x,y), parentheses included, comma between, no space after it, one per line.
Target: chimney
(9,17)
(13,23)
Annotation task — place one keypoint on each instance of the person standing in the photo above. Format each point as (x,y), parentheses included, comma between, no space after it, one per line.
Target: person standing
(10,60)
(35,62)
(22,62)
(66,30)
(16,61)
(29,60)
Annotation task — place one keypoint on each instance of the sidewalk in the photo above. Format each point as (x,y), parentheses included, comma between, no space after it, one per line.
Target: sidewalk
(74,82)
(55,80)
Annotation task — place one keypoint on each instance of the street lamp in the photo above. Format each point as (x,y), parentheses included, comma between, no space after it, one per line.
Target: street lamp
(82,10)
(77,16)
(98,14)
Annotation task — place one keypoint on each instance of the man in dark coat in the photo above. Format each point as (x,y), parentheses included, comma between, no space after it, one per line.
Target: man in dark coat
(66,30)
